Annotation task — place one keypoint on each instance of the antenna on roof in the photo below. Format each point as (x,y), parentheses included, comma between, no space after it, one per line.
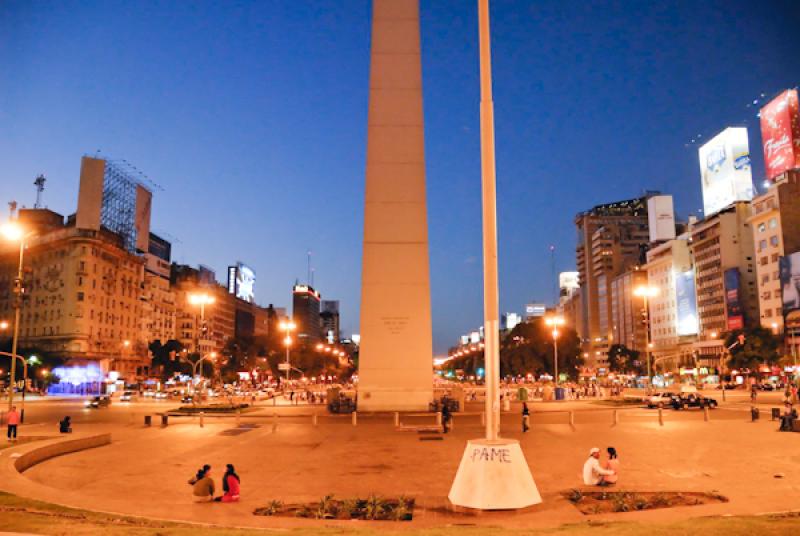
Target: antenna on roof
(39,183)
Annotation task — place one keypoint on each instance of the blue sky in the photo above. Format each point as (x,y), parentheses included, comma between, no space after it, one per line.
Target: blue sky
(251,116)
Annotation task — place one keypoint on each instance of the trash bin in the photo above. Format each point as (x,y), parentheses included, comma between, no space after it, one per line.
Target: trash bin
(560,392)
(148,420)
(164,420)
(754,414)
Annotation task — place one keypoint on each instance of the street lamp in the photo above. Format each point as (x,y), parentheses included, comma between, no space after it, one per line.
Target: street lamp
(202,299)
(645,292)
(287,328)
(14,232)
(554,322)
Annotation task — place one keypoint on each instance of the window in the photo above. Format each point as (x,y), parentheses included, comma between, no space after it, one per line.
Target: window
(773,222)
(767,313)
(773,241)
(765,279)
(775,257)
(762,227)
(80,296)
(762,245)
(763,260)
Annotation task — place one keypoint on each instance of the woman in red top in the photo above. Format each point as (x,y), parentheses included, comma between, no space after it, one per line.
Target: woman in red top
(230,483)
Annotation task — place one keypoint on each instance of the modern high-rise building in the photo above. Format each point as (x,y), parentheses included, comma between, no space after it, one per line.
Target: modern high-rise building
(202,329)
(627,311)
(329,318)
(725,275)
(305,314)
(612,240)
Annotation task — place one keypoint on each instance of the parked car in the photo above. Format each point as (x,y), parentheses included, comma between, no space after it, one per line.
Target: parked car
(162,395)
(188,399)
(127,396)
(98,402)
(692,400)
(659,400)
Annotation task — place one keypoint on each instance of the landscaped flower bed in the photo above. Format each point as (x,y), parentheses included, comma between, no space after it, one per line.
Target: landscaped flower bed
(604,502)
(372,508)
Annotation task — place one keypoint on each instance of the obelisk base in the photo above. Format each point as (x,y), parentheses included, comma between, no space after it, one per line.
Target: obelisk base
(493,475)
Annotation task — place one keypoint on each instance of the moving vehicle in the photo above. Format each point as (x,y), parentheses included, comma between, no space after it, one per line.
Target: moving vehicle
(162,395)
(659,400)
(692,400)
(127,396)
(98,402)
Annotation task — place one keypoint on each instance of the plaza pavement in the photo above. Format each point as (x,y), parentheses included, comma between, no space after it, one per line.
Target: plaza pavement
(144,471)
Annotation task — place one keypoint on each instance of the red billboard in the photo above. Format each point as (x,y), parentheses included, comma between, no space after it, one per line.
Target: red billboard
(780,132)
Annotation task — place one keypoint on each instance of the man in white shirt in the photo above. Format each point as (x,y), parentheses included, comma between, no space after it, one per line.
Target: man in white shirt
(592,472)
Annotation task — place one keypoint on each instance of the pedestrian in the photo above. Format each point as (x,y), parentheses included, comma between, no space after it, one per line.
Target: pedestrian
(230,485)
(593,473)
(445,418)
(202,485)
(65,425)
(12,421)
(611,464)
(526,417)
(753,393)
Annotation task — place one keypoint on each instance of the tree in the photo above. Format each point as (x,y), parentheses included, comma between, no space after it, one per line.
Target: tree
(167,358)
(528,348)
(624,360)
(760,346)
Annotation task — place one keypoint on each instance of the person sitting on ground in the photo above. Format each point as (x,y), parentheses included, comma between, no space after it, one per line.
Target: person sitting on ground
(611,464)
(198,476)
(593,473)
(65,425)
(230,484)
(788,417)
(203,487)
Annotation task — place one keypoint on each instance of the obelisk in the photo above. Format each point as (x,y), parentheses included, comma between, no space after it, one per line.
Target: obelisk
(395,356)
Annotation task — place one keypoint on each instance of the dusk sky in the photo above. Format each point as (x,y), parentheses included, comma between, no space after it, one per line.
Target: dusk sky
(251,118)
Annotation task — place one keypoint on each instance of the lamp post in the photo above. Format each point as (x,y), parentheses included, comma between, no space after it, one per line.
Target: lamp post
(14,232)
(645,292)
(554,322)
(287,328)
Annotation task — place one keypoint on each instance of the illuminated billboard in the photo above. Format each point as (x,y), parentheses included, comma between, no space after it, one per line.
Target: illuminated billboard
(733,299)
(725,170)
(790,282)
(242,281)
(780,134)
(686,302)
(568,280)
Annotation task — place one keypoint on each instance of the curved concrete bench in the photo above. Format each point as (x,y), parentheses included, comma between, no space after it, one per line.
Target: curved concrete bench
(41,452)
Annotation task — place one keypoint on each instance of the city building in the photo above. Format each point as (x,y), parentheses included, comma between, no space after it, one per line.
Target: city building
(722,253)
(775,225)
(627,311)
(305,314)
(329,317)
(158,299)
(612,240)
(202,328)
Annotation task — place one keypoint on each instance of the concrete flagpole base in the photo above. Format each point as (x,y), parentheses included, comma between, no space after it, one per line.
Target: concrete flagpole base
(493,475)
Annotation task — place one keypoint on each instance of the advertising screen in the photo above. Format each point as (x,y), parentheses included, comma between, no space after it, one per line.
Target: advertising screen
(568,280)
(790,282)
(733,299)
(686,300)
(780,133)
(725,170)
(245,282)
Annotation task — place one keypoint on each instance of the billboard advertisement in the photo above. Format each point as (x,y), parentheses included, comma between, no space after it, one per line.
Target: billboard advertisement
(790,282)
(686,302)
(733,299)
(725,170)
(780,133)
(568,280)
(535,310)
(242,281)
(660,218)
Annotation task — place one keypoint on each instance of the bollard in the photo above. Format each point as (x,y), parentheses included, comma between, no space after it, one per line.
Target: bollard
(616,418)
(238,417)
(572,419)
(397,419)
(164,421)
(354,417)
(439,418)
(705,413)
(483,418)
(202,415)
(148,420)
(660,417)
(274,422)
(754,415)
(314,418)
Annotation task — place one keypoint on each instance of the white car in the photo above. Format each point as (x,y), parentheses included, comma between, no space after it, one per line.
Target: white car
(127,396)
(659,400)
(161,395)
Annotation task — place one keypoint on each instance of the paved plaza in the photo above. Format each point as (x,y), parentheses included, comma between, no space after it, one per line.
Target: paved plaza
(750,463)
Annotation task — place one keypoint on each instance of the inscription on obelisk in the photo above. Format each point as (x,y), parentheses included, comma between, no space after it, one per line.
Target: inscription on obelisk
(395,357)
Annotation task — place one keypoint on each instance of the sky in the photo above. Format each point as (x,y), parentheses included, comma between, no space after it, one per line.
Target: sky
(250,117)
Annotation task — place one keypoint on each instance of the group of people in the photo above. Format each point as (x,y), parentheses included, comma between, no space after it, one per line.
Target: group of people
(597,473)
(203,487)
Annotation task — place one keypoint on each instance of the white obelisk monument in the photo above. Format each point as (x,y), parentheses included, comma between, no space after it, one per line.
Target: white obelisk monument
(493,474)
(395,357)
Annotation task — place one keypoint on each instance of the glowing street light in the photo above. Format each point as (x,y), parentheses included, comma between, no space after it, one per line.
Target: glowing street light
(287,327)
(554,322)
(645,292)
